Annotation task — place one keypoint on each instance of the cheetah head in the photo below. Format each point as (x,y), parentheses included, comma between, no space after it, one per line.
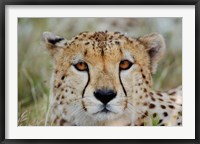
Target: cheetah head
(99,76)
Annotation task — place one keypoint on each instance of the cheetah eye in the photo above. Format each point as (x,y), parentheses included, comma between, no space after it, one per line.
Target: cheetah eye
(125,64)
(81,66)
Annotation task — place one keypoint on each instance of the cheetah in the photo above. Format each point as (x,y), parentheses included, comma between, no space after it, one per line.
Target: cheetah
(105,79)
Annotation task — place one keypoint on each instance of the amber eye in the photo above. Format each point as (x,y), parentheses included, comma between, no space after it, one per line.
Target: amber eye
(81,66)
(125,64)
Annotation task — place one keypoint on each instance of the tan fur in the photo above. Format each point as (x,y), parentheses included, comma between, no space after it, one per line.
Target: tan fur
(72,91)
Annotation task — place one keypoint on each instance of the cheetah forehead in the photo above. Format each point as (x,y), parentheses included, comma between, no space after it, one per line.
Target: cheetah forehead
(101,36)
(101,40)
(111,47)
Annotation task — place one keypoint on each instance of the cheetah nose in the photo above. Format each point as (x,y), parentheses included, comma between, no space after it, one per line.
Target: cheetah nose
(105,95)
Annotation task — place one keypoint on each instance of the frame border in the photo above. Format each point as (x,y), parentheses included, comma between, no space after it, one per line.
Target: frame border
(4,3)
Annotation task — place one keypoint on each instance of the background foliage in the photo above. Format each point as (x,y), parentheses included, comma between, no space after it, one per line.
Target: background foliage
(34,63)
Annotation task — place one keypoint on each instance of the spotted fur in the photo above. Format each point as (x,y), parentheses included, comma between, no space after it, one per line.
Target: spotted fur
(72,91)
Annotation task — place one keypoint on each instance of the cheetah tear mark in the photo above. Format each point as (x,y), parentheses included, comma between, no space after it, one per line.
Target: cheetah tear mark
(88,73)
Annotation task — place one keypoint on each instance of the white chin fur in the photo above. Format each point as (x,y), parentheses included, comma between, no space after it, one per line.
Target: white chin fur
(105,116)
(89,119)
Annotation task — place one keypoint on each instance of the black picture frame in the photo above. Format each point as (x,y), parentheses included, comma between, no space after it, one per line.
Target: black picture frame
(3,72)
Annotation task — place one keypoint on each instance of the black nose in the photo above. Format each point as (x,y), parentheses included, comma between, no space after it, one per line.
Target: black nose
(105,95)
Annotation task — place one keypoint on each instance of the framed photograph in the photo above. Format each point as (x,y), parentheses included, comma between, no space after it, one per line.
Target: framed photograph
(99,72)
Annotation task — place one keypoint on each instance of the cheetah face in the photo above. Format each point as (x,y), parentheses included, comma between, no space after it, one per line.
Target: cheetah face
(96,75)
(102,82)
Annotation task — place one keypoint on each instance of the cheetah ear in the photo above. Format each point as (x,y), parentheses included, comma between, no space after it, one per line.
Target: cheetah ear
(155,46)
(53,43)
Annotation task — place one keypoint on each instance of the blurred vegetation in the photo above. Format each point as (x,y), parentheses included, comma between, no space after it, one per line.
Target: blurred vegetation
(34,63)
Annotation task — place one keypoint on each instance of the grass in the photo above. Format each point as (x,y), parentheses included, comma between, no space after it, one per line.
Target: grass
(34,114)
(155,120)
(34,64)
